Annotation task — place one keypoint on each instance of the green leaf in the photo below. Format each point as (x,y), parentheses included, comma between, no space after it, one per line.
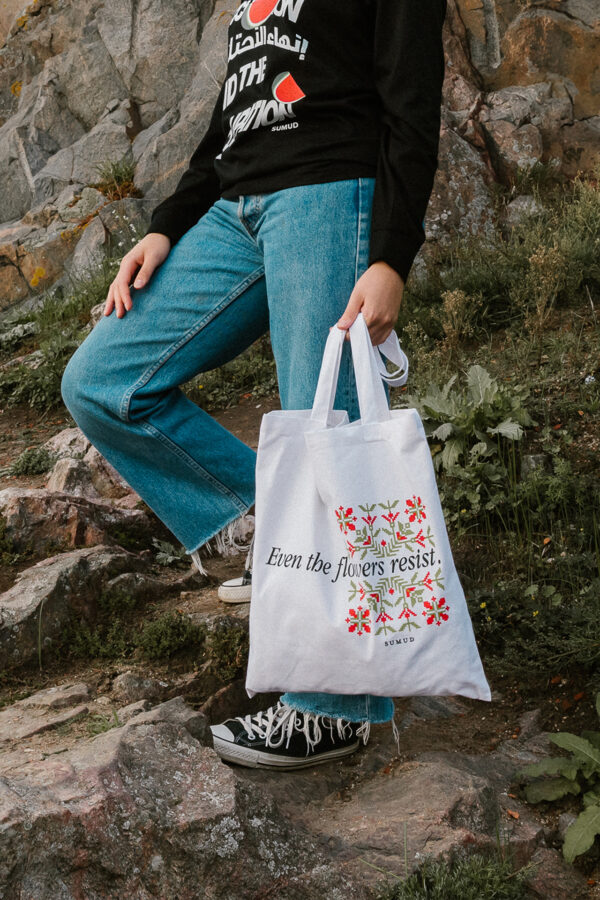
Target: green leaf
(481,385)
(592,798)
(443,431)
(579,746)
(480,449)
(448,385)
(451,452)
(550,789)
(593,737)
(508,429)
(552,766)
(579,836)
(598,704)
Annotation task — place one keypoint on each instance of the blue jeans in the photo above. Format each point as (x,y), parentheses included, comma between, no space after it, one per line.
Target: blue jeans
(285,261)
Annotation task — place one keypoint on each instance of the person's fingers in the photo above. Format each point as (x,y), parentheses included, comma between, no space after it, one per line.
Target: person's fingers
(119,303)
(110,302)
(148,266)
(353,308)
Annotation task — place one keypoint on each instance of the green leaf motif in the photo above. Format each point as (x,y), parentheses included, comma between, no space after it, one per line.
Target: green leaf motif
(582,749)
(550,789)
(579,836)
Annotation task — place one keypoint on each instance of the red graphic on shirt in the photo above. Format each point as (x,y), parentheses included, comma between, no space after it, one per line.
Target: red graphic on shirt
(286,89)
(258,12)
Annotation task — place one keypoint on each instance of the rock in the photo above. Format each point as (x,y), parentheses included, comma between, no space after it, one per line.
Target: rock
(460,201)
(565,820)
(553,878)
(162,164)
(521,208)
(513,149)
(69,442)
(177,711)
(55,589)
(145,810)
(132,686)
(92,476)
(551,44)
(89,201)
(8,10)
(546,105)
(18,722)
(32,360)
(42,521)
(90,250)
(530,724)
(16,334)
(126,713)
(57,697)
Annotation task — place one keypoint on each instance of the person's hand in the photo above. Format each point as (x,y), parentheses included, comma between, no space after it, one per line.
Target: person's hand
(378,295)
(146,256)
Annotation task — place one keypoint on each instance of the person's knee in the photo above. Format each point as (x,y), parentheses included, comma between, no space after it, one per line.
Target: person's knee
(71,386)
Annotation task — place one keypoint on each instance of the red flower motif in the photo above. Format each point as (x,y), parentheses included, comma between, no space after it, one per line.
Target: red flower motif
(406,612)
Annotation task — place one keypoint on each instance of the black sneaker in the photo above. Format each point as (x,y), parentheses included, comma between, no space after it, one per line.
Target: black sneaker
(282,737)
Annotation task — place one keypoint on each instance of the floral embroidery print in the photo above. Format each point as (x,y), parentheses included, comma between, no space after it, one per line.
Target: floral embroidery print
(398,601)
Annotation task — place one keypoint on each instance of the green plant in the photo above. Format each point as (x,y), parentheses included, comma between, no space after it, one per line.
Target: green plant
(496,269)
(33,461)
(475,877)
(167,554)
(98,724)
(117,178)
(167,635)
(228,650)
(62,322)
(465,426)
(576,774)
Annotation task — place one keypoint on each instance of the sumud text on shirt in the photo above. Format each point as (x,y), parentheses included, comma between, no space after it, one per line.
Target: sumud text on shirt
(322,90)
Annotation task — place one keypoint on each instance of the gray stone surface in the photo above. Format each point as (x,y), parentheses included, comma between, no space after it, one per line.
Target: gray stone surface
(55,589)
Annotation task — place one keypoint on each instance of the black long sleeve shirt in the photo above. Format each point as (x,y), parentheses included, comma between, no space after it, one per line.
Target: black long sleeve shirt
(322,90)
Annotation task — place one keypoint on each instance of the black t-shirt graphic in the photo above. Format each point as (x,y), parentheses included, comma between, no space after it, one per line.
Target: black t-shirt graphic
(322,90)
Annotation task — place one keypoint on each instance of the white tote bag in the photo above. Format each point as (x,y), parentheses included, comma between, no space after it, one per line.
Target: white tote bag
(354,588)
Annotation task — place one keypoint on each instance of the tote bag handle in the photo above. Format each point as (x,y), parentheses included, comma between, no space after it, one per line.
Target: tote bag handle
(369,371)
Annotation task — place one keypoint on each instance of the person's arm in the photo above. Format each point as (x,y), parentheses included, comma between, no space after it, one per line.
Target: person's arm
(198,187)
(409,71)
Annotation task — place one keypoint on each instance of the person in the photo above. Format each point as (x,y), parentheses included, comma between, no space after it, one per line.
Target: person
(302,205)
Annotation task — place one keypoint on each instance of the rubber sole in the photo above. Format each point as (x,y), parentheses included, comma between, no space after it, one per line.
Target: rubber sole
(234,593)
(256,759)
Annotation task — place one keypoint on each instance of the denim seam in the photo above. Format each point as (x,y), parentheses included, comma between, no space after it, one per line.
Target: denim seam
(190,333)
(156,432)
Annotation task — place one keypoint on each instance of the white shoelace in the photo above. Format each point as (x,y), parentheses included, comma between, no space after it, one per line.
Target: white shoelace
(279,722)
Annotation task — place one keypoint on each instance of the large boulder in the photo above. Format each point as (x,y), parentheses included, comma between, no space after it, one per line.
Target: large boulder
(145,810)
(40,521)
(35,610)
